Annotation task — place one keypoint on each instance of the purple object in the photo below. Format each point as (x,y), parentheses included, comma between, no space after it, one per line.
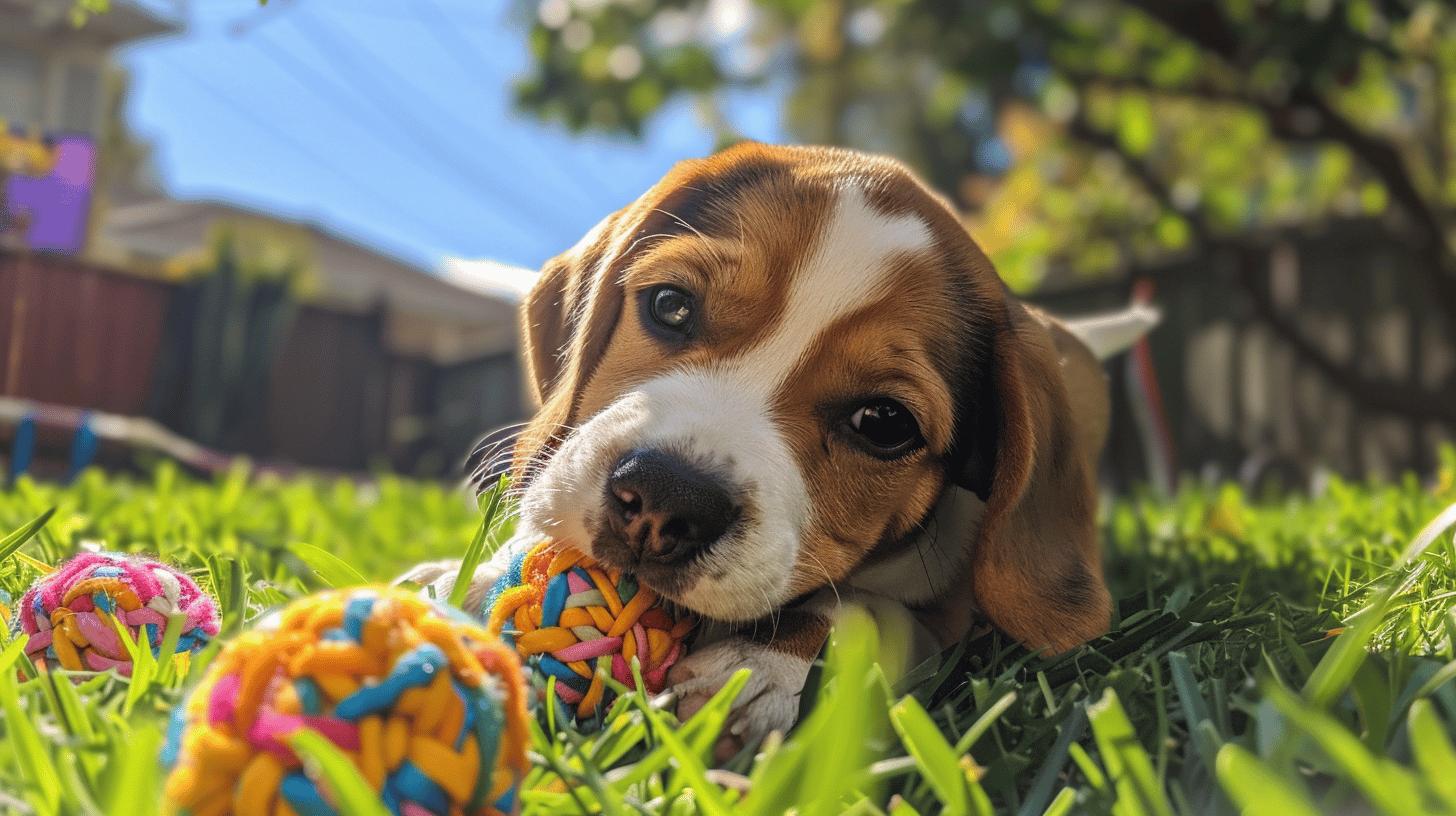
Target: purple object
(56,205)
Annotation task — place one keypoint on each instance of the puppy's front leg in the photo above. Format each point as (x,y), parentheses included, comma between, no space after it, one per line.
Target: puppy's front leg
(438,577)
(778,655)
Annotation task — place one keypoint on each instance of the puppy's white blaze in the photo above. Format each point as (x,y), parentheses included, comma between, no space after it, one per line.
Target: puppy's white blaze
(721,416)
(845,270)
(716,420)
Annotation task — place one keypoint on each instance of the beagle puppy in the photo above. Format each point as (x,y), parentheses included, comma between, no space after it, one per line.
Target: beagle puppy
(785,379)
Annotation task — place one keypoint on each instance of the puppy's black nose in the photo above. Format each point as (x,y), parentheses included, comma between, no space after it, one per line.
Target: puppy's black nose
(665,508)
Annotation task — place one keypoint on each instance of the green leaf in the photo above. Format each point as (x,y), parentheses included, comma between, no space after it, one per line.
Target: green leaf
(938,761)
(350,792)
(1432,750)
(475,553)
(15,540)
(1136,128)
(332,570)
(1257,789)
(1131,770)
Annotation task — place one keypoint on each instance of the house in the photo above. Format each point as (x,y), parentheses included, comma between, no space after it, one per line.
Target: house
(52,108)
(386,362)
(374,362)
(51,70)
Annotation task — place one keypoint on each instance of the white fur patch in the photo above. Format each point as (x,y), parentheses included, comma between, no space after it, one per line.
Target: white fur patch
(720,417)
(770,700)
(935,558)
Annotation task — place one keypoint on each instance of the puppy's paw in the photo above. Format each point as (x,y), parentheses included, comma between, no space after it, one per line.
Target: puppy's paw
(769,702)
(426,574)
(437,580)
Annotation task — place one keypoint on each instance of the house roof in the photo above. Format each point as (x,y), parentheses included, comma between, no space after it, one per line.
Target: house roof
(123,22)
(490,278)
(433,314)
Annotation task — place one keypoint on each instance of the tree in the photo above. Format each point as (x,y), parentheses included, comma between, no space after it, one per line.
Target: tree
(1088,138)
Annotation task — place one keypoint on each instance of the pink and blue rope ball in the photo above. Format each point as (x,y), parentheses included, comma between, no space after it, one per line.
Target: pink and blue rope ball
(69,617)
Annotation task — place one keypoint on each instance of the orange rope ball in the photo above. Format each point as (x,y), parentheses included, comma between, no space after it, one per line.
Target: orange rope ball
(579,621)
(430,708)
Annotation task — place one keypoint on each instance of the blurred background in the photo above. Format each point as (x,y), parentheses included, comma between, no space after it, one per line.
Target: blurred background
(298,231)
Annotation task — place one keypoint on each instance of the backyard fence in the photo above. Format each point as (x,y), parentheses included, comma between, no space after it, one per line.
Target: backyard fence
(1307,351)
(332,394)
(1315,350)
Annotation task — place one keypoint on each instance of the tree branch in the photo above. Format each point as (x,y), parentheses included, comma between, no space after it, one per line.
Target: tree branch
(1204,26)
(1375,394)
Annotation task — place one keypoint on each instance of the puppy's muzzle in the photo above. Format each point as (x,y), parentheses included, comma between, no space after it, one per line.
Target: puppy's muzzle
(665,509)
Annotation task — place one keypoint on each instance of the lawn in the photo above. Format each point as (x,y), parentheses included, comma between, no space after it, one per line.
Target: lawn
(1278,655)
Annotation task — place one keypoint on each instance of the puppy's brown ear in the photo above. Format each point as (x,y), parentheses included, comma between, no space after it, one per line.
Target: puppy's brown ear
(1036,570)
(556,309)
(566,321)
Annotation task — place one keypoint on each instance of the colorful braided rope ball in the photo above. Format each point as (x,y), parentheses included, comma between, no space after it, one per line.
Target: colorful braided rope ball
(67,616)
(578,621)
(430,708)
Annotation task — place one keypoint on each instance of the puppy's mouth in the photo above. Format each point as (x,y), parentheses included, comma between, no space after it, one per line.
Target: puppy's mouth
(706,515)
(671,580)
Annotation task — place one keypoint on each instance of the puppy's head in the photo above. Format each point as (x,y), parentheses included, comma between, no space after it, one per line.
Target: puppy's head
(771,365)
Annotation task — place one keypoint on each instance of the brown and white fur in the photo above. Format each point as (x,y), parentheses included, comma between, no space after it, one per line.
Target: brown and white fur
(821,279)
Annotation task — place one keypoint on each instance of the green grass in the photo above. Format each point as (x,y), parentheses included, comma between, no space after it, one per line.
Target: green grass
(1276,656)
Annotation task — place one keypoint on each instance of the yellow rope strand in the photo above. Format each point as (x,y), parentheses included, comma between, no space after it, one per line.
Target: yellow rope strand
(429,706)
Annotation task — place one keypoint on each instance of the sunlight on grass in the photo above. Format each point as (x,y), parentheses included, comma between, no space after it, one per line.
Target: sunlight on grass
(1280,655)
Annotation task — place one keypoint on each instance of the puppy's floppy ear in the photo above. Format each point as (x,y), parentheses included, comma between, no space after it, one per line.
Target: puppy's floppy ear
(1036,570)
(555,310)
(567,319)
(571,312)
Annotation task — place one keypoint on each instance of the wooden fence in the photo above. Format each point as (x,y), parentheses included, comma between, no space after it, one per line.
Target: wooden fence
(1279,361)
(1242,399)
(335,396)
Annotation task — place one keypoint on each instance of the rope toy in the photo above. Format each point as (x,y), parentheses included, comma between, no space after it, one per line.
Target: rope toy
(576,620)
(67,616)
(430,708)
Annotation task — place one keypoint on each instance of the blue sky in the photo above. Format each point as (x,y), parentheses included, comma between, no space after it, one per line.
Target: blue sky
(266,107)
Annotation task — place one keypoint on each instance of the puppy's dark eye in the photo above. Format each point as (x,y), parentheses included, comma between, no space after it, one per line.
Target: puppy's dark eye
(886,426)
(672,309)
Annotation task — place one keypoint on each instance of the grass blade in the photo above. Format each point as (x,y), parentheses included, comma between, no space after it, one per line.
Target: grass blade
(1062,804)
(17,539)
(351,794)
(1432,750)
(984,722)
(938,761)
(1257,789)
(475,553)
(1389,787)
(29,750)
(1337,669)
(1046,779)
(332,570)
(1131,769)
